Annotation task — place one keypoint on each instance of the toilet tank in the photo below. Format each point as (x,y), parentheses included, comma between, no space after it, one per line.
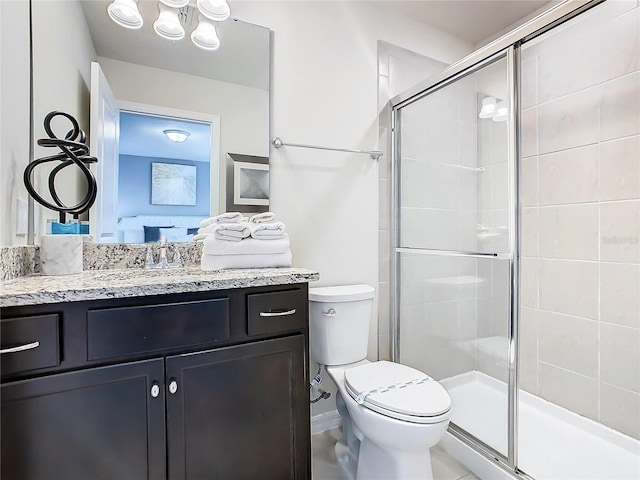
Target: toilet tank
(339,319)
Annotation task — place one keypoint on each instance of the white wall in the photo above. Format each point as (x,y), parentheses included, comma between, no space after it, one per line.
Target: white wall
(14,113)
(325,92)
(243,111)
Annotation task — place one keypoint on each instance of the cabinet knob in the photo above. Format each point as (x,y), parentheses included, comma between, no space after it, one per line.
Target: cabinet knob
(173,387)
(155,390)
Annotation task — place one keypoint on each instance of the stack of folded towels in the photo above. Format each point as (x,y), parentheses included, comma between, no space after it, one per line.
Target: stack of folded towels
(233,241)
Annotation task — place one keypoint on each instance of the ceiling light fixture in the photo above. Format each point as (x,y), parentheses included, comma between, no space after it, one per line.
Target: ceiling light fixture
(494,108)
(174,14)
(168,25)
(175,3)
(217,10)
(125,13)
(488,107)
(177,136)
(501,112)
(205,36)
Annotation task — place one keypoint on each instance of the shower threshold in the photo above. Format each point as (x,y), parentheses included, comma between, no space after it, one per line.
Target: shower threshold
(554,443)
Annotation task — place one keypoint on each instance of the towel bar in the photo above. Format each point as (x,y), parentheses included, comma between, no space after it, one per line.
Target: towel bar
(278,142)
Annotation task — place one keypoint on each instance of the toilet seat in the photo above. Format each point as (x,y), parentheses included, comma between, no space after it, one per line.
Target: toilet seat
(398,391)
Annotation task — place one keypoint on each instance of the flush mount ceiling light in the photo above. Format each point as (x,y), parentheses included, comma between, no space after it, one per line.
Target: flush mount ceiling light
(174,16)
(178,136)
(489,106)
(205,36)
(125,13)
(217,10)
(168,25)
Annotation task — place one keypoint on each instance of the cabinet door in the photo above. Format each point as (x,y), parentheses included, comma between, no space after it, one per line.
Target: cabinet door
(101,423)
(240,412)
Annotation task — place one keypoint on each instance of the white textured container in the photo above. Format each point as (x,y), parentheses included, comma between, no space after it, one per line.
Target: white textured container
(60,254)
(339,320)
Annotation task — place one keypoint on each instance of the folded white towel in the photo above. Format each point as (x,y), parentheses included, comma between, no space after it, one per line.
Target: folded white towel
(263,217)
(227,217)
(207,228)
(201,236)
(218,262)
(249,246)
(233,232)
(268,231)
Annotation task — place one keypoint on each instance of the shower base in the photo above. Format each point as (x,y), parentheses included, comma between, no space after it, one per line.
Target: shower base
(554,443)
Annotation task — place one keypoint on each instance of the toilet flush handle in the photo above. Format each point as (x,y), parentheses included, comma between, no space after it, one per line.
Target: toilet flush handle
(329,313)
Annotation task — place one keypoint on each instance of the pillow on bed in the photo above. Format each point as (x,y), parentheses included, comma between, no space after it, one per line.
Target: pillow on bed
(152,234)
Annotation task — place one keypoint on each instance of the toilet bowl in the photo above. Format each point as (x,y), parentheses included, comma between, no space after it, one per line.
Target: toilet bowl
(391,413)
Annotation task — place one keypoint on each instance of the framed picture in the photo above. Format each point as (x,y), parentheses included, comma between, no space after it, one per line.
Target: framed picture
(247,183)
(173,184)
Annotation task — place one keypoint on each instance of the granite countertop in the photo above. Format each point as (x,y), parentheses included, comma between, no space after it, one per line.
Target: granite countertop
(101,284)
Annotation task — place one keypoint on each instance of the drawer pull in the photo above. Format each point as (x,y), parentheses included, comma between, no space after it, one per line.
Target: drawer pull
(278,314)
(20,348)
(329,313)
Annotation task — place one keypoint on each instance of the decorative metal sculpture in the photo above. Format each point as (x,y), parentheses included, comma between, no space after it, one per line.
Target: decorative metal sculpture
(74,151)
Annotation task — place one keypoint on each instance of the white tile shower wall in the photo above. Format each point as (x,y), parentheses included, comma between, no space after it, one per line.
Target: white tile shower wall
(580,279)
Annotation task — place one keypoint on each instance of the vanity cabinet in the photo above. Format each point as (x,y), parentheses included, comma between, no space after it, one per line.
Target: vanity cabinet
(187,386)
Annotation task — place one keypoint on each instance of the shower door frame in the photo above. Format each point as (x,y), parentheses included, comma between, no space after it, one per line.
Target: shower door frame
(509,45)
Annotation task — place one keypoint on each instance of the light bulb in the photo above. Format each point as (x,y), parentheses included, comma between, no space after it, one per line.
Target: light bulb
(175,3)
(125,13)
(488,107)
(205,36)
(168,25)
(217,10)
(501,112)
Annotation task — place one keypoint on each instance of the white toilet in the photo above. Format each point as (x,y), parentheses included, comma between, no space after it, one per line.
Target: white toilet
(394,413)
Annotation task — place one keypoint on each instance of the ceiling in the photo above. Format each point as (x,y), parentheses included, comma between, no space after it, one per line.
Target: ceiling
(470,20)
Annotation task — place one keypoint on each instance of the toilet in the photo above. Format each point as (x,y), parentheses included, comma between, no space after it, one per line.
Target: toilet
(391,413)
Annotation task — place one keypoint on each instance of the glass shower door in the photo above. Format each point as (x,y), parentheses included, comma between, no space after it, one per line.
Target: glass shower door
(453,251)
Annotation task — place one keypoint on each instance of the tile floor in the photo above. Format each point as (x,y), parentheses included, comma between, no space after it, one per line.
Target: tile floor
(325,467)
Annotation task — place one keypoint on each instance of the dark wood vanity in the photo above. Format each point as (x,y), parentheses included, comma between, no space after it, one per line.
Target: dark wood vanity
(196,385)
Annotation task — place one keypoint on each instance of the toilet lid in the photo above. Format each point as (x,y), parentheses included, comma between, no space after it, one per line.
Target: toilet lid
(397,390)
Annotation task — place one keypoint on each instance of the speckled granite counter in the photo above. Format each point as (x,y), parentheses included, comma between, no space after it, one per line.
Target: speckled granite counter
(101,284)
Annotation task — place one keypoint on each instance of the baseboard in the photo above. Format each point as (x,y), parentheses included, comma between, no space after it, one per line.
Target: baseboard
(325,421)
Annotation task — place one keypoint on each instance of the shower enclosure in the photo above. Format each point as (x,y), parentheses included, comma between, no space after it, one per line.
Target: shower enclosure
(517,253)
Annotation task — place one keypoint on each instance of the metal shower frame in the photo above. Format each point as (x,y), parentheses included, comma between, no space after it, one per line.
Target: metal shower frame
(506,46)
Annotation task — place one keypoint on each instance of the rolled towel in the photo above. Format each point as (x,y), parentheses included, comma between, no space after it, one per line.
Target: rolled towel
(233,232)
(248,246)
(218,262)
(268,231)
(263,217)
(227,217)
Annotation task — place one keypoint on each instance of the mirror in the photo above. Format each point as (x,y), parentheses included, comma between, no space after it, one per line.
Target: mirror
(224,92)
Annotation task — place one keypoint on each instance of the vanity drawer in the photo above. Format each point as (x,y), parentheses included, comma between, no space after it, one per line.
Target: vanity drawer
(29,343)
(276,312)
(116,332)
